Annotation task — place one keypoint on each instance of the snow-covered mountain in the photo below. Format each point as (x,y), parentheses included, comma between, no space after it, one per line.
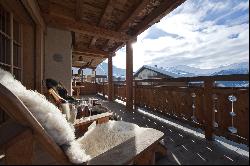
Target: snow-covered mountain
(181,70)
(187,71)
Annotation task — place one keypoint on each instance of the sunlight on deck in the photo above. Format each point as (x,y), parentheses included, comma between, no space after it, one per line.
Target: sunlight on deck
(238,148)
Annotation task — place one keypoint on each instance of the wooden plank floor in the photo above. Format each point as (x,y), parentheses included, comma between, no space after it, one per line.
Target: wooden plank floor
(183,147)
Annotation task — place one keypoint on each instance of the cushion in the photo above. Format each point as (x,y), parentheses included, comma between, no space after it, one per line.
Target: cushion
(105,136)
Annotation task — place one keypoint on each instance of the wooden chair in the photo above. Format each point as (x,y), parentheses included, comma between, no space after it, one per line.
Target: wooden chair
(24,141)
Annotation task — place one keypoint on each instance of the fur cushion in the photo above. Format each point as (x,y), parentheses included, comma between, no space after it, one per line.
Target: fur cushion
(108,135)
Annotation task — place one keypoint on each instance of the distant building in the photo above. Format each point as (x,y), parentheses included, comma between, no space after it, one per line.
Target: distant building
(149,72)
(101,78)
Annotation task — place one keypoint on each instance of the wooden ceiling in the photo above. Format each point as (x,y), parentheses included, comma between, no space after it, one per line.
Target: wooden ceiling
(101,27)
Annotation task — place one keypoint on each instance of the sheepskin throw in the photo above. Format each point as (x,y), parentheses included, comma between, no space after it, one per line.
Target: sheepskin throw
(48,115)
(95,141)
(108,135)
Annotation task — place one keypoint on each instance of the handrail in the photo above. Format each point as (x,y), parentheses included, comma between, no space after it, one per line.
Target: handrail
(233,77)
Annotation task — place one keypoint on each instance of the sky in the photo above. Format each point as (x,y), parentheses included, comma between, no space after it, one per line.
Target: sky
(199,33)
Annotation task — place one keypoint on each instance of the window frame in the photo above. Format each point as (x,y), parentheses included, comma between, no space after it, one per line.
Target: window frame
(17,44)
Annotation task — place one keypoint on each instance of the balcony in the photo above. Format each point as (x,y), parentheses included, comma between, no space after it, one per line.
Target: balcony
(203,124)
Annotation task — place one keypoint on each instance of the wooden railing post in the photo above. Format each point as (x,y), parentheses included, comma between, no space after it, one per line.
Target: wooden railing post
(129,75)
(208,108)
(110,78)
(103,89)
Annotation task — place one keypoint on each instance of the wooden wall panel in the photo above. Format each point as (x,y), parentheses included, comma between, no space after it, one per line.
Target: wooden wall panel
(29,56)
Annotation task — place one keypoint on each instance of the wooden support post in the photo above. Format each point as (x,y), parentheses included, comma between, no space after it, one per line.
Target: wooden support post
(129,75)
(110,78)
(81,75)
(103,89)
(208,109)
(94,75)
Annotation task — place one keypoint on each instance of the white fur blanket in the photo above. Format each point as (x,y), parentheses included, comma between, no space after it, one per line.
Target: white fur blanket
(106,136)
(96,141)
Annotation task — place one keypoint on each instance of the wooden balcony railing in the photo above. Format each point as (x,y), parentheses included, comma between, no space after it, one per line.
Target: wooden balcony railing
(85,88)
(221,111)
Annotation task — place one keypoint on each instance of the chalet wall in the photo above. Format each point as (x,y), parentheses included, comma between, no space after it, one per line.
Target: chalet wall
(146,73)
(58,59)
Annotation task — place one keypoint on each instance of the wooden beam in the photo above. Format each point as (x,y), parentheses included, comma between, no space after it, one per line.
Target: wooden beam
(129,76)
(90,51)
(33,8)
(133,15)
(110,78)
(84,28)
(106,14)
(78,9)
(164,8)
(119,47)
(89,55)
(128,20)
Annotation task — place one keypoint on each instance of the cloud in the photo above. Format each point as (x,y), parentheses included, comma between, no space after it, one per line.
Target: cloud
(199,33)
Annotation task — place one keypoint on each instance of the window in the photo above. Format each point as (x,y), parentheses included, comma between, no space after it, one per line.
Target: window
(10,44)
(10,48)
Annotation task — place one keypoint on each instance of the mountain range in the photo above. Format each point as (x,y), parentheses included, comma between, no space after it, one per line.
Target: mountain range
(181,71)
(187,71)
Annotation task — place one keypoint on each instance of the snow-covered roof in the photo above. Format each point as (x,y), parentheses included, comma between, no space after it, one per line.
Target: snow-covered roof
(156,69)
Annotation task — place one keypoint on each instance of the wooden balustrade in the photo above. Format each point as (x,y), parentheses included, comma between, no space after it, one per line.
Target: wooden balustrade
(86,88)
(223,111)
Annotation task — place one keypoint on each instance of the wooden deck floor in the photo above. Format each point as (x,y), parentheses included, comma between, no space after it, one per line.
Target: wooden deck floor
(184,148)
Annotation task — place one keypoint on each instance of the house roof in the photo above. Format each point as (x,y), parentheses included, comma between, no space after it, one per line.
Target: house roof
(156,69)
(101,27)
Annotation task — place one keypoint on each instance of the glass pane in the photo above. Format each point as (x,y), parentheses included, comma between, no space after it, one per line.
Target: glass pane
(5,50)
(16,55)
(4,21)
(16,31)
